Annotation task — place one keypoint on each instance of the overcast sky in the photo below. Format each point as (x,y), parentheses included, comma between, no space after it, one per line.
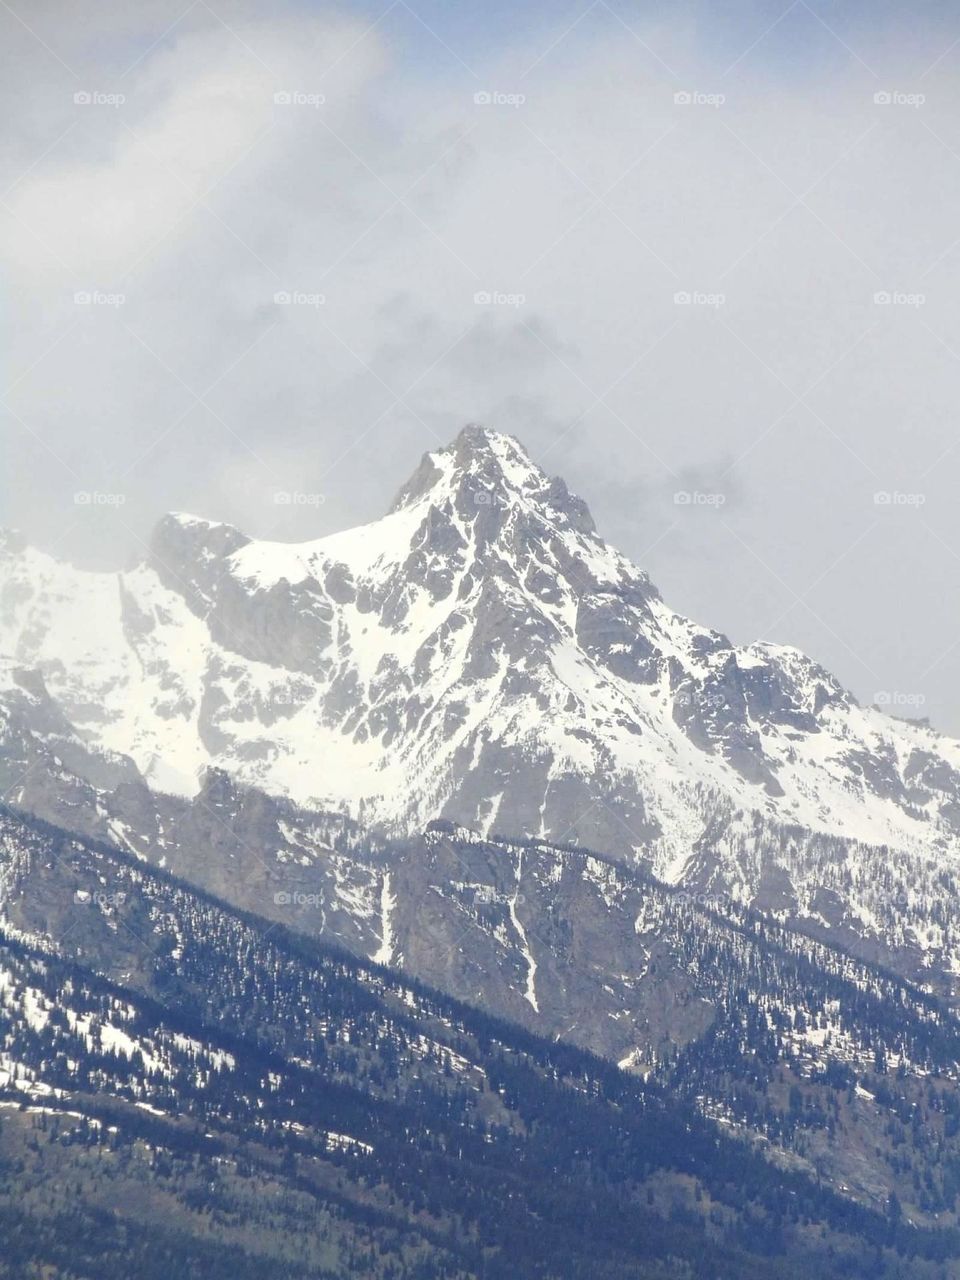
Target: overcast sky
(181,193)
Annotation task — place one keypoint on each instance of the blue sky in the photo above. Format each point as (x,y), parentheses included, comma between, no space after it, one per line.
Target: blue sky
(803,39)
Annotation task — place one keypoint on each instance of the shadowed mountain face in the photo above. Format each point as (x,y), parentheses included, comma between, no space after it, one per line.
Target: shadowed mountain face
(834,1067)
(288,1105)
(480,655)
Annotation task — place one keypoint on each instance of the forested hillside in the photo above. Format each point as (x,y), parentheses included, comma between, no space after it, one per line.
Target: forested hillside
(176,1053)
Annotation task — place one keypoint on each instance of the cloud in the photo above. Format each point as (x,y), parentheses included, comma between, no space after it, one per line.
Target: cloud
(680,294)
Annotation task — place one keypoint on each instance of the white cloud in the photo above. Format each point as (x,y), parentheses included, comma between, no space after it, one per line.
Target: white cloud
(399,199)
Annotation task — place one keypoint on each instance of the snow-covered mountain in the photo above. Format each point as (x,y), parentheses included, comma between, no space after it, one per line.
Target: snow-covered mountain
(481,655)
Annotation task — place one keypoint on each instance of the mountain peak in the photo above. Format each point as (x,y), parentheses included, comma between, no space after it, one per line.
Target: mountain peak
(492,469)
(482,656)
(478,438)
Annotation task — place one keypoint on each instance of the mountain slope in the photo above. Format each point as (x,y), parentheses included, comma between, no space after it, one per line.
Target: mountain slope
(734,1013)
(481,655)
(172,1052)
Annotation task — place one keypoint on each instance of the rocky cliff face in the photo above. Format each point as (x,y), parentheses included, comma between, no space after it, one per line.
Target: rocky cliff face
(481,656)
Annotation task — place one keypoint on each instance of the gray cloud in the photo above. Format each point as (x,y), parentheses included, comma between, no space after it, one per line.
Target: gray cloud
(597,201)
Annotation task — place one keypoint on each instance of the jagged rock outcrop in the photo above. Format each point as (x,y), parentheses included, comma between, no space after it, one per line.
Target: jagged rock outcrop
(481,655)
